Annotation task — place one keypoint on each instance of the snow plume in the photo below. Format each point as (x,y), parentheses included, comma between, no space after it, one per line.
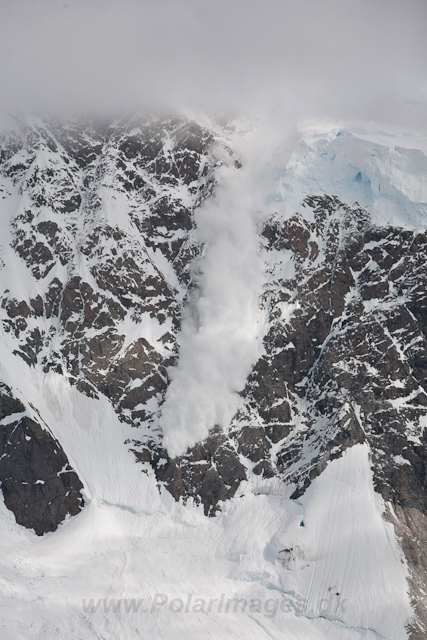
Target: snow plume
(220,333)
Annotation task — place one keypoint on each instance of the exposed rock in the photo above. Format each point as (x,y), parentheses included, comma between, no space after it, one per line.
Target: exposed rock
(38,484)
(209,473)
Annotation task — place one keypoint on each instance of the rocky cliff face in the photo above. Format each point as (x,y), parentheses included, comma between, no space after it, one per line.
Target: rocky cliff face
(99,247)
(100,279)
(38,484)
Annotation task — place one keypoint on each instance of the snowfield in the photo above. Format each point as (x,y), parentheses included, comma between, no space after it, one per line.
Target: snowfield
(325,567)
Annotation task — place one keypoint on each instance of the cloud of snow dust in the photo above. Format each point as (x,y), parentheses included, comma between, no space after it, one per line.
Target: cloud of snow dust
(219,334)
(222,332)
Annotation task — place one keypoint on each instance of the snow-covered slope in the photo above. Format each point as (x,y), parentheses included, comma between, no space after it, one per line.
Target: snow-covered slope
(342,578)
(203,319)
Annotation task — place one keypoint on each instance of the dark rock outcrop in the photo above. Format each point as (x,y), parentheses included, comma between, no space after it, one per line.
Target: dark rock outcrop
(39,486)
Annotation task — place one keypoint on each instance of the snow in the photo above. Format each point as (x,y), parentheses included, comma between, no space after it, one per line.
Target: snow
(386,173)
(141,545)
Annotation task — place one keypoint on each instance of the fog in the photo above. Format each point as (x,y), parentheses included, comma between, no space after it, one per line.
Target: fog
(337,58)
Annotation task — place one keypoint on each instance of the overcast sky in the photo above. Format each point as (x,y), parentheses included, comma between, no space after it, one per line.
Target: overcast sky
(335,57)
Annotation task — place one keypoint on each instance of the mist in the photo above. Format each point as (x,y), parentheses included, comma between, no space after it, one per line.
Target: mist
(336,58)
